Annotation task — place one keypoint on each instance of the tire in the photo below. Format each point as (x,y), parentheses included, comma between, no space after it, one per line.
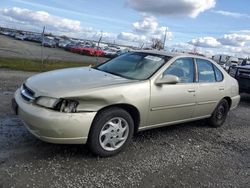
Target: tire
(220,114)
(111,131)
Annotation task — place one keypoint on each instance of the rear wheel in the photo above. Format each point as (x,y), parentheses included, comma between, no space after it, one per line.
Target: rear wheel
(220,114)
(111,131)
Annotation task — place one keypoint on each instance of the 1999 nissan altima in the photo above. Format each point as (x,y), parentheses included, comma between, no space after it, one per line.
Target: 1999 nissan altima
(105,105)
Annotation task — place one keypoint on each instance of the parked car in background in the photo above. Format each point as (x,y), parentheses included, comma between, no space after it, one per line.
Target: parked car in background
(220,59)
(77,49)
(35,38)
(232,61)
(20,37)
(245,62)
(63,43)
(242,74)
(92,51)
(69,46)
(5,33)
(121,52)
(105,105)
(110,52)
(114,46)
(49,43)
(12,34)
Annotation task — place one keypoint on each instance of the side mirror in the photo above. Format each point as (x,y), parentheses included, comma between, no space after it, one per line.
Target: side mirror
(168,79)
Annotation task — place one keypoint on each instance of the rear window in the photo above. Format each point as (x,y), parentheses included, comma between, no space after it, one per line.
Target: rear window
(218,74)
(205,71)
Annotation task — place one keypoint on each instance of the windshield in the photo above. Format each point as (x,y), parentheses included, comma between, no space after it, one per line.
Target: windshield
(134,65)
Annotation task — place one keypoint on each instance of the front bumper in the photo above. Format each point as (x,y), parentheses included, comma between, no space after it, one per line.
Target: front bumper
(52,126)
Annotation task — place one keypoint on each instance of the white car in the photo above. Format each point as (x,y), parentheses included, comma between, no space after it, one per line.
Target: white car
(20,37)
(105,105)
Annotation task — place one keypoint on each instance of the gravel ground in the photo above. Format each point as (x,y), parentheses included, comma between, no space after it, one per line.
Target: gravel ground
(10,47)
(187,155)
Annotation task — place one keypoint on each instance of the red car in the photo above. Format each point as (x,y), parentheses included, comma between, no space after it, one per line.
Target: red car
(76,49)
(92,51)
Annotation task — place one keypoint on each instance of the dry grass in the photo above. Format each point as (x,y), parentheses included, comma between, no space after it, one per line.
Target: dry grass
(35,65)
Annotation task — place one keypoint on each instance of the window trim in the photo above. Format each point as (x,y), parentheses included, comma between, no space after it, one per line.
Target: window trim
(196,71)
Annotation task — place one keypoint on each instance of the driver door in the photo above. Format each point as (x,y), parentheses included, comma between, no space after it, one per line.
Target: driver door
(174,102)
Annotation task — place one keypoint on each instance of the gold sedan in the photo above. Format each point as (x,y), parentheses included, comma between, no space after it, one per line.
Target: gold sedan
(105,105)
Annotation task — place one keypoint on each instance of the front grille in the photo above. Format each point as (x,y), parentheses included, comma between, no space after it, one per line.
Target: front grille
(244,73)
(27,94)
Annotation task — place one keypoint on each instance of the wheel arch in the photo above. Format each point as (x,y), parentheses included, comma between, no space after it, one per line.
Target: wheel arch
(131,109)
(229,100)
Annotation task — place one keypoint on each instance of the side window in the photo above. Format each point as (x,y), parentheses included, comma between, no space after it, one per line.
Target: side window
(183,68)
(218,74)
(205,71)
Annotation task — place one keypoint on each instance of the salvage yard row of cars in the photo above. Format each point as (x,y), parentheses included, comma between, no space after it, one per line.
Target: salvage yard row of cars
(72,45)
(237,68)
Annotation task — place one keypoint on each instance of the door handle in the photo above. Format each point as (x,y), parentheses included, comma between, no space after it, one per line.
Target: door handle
(221,88)
(191,90)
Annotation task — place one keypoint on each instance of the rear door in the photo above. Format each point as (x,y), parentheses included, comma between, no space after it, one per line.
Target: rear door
(210,87)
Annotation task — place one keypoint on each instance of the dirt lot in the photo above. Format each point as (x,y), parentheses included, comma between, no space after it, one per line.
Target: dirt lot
(9,47)
(187,155)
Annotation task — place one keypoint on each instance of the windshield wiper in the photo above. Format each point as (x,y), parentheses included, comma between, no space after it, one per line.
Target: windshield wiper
(113,73)
(116,74)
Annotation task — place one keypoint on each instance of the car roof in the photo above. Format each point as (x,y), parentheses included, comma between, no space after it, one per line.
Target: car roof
(170,54)
(158,52)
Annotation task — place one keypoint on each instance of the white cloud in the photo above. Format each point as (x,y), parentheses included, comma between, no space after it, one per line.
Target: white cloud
(245,31)
(132,37)
(230,44)
(206,42)
(232,14)
(106,36)
(181,47)
(144,30)
(244,50)
(191,8)
(234,39)
(35,20)
(40,18)
(149,26)
(238,51)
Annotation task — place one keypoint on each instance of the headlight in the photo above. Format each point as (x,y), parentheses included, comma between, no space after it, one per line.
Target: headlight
(47,102)
(68,106)
(62,105)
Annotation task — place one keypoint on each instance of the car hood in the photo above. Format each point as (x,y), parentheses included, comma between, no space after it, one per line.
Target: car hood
(71,81)
(243,66)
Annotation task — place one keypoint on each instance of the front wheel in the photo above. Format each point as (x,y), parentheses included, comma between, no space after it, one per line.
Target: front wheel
(220,114)
(111,131)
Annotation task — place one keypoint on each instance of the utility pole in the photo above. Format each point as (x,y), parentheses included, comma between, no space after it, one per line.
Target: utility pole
(165,37)
(142,46)
(97,58)
(100,39)
(42,44)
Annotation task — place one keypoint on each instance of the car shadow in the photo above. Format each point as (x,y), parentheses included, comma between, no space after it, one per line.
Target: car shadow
(37,149)
(43,150)
(245,98)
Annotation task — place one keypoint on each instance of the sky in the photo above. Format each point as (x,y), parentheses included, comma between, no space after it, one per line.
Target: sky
(207,26)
